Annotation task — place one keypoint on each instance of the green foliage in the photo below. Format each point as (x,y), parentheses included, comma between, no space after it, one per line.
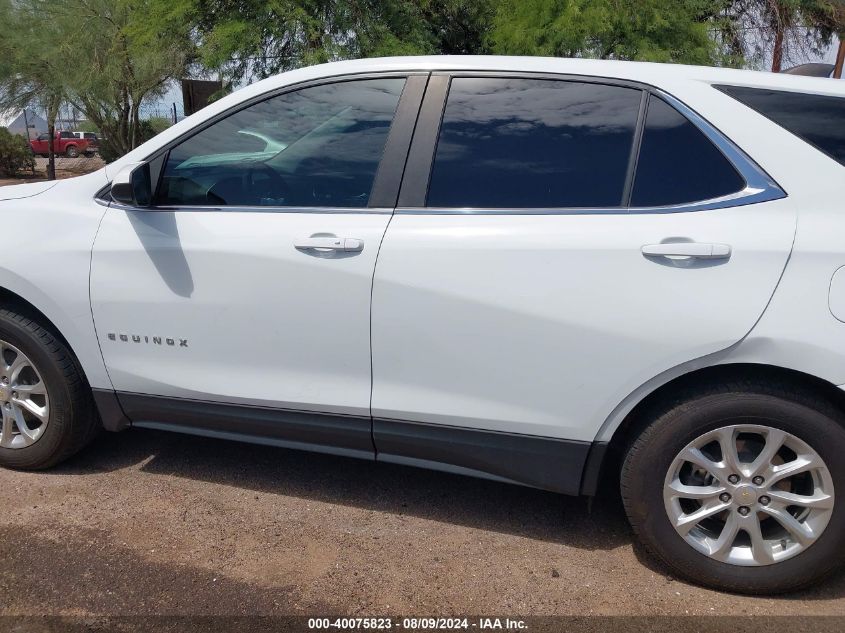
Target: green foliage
(647,30)
(257,38)
(89,53)
(15,154)
(33,67)
(116,70)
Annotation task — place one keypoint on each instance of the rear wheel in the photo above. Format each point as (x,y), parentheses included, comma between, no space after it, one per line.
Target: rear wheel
(72,151)
(46,405)
(735,488)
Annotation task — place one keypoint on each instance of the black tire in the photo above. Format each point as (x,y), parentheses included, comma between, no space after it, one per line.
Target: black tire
(677,423)
(73,421)
(72,151)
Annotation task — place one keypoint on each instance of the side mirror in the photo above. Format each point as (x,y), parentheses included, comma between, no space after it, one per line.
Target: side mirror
(133,186)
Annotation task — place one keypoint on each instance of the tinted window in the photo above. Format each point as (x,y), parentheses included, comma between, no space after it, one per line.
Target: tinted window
(533,143)
(818,120)
(678,163)
(318,146)
(67,135)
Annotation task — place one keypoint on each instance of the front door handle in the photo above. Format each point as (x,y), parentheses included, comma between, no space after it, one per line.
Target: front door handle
(345,244)
(695,250)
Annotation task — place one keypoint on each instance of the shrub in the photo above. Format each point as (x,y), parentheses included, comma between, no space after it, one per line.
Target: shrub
(15,154)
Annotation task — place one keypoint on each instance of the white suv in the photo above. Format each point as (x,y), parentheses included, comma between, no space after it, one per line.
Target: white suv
(540,271)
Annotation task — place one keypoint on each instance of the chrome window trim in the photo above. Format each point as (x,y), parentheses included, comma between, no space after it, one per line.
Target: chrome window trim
(759,186)
(162,151)
(252,209)
(748,195)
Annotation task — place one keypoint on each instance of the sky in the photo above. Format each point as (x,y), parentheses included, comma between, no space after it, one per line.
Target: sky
(831,54)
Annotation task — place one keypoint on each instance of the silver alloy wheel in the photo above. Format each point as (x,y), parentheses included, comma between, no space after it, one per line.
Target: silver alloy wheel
(749,495)
(24,402)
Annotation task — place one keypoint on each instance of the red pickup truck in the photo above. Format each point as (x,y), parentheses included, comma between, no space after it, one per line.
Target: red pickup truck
(65,143)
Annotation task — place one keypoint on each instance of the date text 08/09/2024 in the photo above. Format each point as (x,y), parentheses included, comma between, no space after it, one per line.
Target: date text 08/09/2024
(482,623)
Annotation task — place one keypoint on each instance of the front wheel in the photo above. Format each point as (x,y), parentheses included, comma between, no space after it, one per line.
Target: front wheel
(72,151)
(47,408)
(735,488)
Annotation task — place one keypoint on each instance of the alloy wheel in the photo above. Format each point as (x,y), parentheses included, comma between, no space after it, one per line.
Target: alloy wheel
(749,495)
(24,401)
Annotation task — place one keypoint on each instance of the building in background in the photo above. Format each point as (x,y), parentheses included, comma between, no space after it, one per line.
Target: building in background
(16,122)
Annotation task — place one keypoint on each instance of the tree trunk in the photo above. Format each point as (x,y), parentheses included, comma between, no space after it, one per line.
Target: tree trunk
(777,50)
(52,114)
(136,125)
(840,60)
(51,151)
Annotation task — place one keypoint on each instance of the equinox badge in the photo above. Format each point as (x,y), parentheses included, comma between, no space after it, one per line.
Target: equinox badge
(150,340)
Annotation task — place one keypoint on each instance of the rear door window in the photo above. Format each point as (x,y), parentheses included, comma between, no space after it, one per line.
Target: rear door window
(533,143)
(816,119)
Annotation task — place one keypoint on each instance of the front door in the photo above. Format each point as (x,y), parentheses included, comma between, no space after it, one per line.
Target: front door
(249,281)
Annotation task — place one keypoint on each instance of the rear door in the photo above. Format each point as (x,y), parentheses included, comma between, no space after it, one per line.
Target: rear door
(558,243)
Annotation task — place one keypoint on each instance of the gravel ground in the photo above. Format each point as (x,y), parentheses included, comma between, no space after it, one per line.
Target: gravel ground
(146,522)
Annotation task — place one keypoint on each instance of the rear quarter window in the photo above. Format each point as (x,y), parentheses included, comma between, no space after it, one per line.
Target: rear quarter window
(677,163)
(816,119)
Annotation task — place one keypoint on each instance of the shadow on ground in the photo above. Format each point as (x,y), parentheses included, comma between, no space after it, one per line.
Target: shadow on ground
(448,498)
(597,524)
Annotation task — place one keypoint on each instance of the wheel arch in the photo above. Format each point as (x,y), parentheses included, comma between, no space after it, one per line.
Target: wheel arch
(111,414)
(12,300)
(609,449)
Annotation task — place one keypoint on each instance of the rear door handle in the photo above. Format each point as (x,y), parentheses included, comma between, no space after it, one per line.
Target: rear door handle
(696,250)
(345,244)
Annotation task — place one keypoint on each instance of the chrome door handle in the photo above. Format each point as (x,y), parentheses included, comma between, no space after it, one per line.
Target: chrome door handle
(695,250)
(345,244)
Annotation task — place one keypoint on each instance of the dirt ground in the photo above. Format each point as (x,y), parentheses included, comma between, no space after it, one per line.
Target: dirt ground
(65,168)
(147,522)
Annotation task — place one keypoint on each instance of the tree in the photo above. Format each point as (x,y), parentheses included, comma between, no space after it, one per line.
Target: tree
(258,38)
(33,69)
(116,70)
(649,30)
(783,30)
(88,53)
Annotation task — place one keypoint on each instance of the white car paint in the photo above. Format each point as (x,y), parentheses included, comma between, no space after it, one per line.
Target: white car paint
(16,192)
(549,325)
(49,261)
(535,323)
(267,324)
